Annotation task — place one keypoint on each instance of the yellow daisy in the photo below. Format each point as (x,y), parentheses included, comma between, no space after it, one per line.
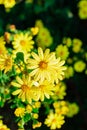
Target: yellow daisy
(45,65)
(19,112)
(44,89)
(9,3)
(54,121)
(79,66)
(5,62)
(24,88)
(23,42)
(62,51)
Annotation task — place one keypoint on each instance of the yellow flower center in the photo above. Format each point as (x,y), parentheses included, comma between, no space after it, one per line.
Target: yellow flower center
(8,62)
(24,88)
(43,65)
(61,53)
(54,120)
(22,42)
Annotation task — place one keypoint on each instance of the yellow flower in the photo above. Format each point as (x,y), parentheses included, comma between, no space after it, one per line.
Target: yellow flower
(34,30)
(62,51)
(28,108)
(5,62)
(59,92)
(43,89)
(39,24)
(23,42)
(69,72)
(9,3)
(54,121)
(1,1)
(82,3)
(36,125)
(77,43)
(79,66)
(61,107)
(44,38)
(35,115)
(83,13)
(2,46)
(73,109)
(19,112)
(67,41)
(45,65)
(2,126)
(24,89)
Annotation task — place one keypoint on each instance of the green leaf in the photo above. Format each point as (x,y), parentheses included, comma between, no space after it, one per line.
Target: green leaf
(20,56)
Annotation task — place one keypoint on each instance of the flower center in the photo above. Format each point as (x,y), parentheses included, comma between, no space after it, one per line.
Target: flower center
(22,42)
(8,62)
(43,65)
(24,88)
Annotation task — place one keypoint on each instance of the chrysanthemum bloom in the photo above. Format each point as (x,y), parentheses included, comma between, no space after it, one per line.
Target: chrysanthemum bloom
(9,4)
(2,46)
(43,89)
(2,126)
(67,41)
(45,65)
(62,51)
(61,107)
(5,62)
(69,72)
(19,112)
(24,88)
(83,13)
(59,92)
(44,38)
(82,3)
(54,121)
(77,43)
(79,66)
(73,109)
(23,42)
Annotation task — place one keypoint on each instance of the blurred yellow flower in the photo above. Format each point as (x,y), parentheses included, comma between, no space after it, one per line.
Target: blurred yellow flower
(69,72)
(3,126)
(19,112)
(39,23)
(44,38)
(62,51)
(59,91)
(82,3)
(36,125)
(67,41)
(83,13)
(44,65)
(9,3)
(61,107)
(79,66)
(54,121)
(77,44)
(5,62)
(73,109)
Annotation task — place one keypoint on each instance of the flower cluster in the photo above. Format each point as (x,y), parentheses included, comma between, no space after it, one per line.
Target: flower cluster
(82,5)
(73,52)
(30,78)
